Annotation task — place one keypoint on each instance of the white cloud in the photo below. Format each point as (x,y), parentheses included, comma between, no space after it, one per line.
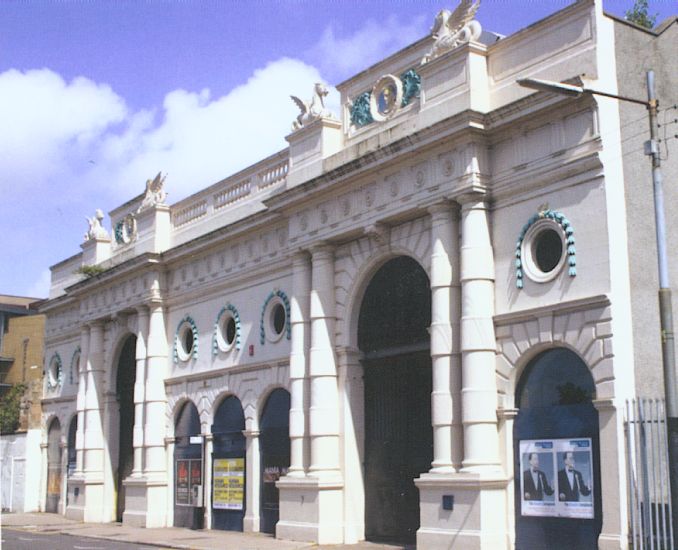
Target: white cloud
(341,56)
(75,146)
(40,287)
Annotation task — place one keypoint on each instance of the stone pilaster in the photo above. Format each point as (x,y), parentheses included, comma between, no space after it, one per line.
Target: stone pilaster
(251,521)
(155,397)
(139,390)
(299,319)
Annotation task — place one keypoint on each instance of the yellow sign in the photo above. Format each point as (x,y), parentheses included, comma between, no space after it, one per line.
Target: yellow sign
(228,483)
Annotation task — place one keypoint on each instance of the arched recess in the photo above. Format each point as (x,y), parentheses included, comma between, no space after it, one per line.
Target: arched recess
(124,418)
(393,323)
(54,473)
(274,441)
(70,449)
(228,465)
(188,482)
(556,450)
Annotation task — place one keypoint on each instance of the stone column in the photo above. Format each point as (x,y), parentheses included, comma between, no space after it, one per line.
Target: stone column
(139,391)
(444,344)
(207,479)
(478,344)
(80,402)
(324,409)
(156,399)
(252,481)
(44,472)
(299,320)
(94,440)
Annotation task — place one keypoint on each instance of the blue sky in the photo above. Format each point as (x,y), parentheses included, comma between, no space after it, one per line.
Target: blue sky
(96,96)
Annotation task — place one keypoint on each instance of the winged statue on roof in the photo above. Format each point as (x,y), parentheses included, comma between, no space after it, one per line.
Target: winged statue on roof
(450,29)
(313,109)
(155,194)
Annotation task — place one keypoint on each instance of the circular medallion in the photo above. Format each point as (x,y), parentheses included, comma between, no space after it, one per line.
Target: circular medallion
(386,97)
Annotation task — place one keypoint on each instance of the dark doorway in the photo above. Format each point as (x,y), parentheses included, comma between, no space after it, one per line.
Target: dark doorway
(188,483)
(71,450)
(228,466)
(554,397)
(53,467)
(124,389)
(274,442)
(392,334)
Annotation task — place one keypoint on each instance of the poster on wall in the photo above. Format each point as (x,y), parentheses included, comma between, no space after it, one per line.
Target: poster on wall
(182,489)
(196,482)
(556,478)
(228,483)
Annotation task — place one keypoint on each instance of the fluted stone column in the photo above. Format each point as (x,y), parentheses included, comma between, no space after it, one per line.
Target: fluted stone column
(444,341)
(299,320)
(251,521)
(478,344)
(140,391)
(80,402)
(94,440)
(324,409)
(156,399)
(94,436)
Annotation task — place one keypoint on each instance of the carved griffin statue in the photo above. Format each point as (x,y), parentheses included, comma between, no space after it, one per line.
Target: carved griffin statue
(313,109)
(453,28)
(155,194)
(95,229)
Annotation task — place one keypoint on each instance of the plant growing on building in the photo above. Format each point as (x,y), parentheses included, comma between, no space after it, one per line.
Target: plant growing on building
(90,270)
(10,408)
(639,15)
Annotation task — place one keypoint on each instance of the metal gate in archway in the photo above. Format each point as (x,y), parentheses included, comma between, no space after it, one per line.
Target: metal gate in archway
(393,337)
(228,466)
(188,483)
(54,450)
(274,441)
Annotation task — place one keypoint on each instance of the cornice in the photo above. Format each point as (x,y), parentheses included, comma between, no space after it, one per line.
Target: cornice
(590,302)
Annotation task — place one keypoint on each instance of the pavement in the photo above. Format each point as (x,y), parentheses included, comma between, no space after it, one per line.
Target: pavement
(167,537)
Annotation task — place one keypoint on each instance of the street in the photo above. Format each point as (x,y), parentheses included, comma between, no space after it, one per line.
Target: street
(28,540)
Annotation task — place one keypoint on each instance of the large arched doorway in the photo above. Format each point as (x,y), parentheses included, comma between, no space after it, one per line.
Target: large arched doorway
(124,391)
(53,467)
(393,337)
(557,455)
(188,498)
(228,466)
(274,443)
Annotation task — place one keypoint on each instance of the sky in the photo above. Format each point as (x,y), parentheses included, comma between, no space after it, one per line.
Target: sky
(97,96)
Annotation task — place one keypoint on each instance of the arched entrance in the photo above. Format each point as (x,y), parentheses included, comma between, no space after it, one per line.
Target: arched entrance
(53,467)
(228,466)
(188,510)
(557,455)
(274,443)
(393,336)
(124,390)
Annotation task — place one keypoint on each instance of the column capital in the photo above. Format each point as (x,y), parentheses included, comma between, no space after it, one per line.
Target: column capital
(323,248)
(471,197)
(301,257)
(142,310)
(444,207)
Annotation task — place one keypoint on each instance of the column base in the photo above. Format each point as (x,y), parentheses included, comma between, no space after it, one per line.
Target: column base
(478,520)
(145,502)
(75,509)
(94,499)
(311,510)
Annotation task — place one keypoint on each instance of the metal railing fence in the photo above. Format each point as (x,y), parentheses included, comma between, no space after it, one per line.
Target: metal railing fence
(648,475)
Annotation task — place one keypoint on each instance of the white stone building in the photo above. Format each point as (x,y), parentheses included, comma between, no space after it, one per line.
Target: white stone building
(370,334)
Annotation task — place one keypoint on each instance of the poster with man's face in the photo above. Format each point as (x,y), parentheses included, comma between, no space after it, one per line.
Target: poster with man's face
(556,478)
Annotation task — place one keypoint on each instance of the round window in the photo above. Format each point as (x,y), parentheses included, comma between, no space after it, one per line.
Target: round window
(185,341)
(227,331)
(544,251)
(275,318)
(54,372)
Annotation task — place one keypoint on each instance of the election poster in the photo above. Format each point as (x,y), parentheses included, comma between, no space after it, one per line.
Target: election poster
(228,483)
(556,478)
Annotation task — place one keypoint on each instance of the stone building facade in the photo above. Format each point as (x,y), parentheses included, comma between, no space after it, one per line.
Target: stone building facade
(370,334)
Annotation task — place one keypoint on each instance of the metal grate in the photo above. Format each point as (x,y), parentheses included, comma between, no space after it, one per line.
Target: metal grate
(648,484)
